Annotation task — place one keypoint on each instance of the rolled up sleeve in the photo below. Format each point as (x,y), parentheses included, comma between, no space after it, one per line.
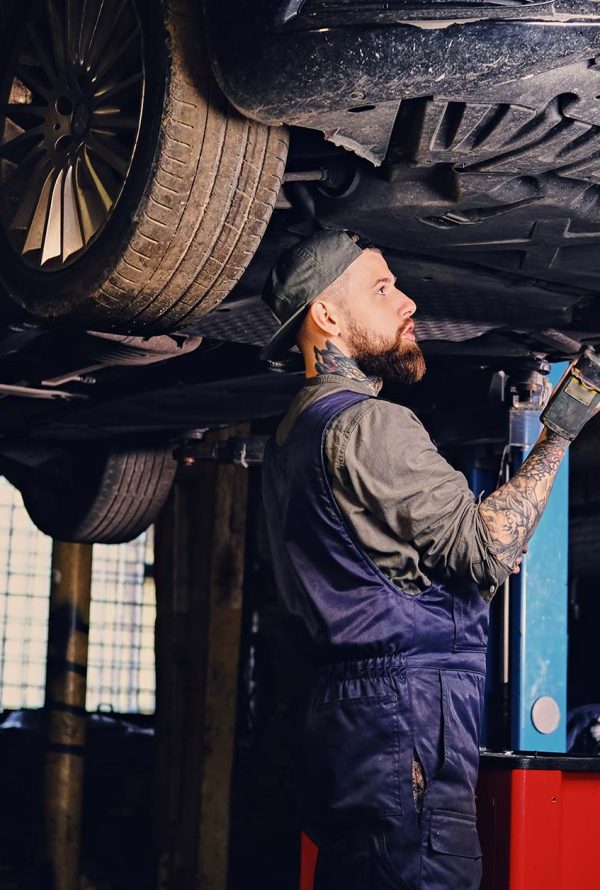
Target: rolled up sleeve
(398,475)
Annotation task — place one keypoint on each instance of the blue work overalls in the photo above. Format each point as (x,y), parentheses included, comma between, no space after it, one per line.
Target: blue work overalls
(399,674)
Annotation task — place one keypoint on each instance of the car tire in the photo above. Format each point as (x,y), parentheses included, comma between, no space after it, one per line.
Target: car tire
(199,188)
(101,497)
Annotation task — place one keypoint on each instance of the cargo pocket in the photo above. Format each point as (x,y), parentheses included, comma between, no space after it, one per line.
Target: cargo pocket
(452,852)
(351,754)
(462,693)
(471,619)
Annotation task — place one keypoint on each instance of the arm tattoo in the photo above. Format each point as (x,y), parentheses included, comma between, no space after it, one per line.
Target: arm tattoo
(511,513)
(332,360)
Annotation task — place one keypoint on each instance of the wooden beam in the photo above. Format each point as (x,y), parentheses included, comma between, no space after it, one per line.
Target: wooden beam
(199,567)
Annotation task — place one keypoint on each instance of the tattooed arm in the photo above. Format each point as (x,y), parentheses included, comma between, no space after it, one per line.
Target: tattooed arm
(511,513)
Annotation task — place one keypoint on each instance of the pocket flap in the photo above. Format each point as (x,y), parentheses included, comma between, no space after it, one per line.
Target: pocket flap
(454,833)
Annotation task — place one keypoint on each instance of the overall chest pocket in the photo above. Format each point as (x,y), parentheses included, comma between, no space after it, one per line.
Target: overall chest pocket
(351,758)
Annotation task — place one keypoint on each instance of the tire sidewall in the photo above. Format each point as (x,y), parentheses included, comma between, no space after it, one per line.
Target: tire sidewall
(59,506)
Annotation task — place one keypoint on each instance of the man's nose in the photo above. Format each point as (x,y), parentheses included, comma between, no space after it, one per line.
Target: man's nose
(407,306)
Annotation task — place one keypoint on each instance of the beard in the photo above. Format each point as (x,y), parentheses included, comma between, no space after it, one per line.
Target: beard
(395,359)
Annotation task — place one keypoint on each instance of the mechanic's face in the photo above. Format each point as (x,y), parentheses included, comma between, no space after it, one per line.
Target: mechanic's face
(379,331)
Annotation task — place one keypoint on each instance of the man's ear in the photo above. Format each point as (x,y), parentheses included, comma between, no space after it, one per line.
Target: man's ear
(325,317)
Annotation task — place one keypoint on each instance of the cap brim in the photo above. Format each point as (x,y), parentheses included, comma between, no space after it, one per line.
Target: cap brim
(283,338)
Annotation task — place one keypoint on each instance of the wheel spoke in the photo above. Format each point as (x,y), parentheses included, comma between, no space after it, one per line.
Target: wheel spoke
(28,202)
(118,54)
(35,235)
(15,181)
(22,114)
(84,32)
(105,189)
(13,149)
(113,119)
(89,213)
(104,27)
(92,33)
(53,233)
(26,167)
(43,55)
(72,26)
(112,88)
(56,35)
(28,76)
(72,239)
(109,153)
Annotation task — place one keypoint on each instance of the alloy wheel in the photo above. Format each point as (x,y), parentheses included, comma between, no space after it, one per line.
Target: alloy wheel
(69,125)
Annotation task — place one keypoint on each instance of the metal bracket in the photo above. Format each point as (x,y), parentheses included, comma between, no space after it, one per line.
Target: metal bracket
(245,451)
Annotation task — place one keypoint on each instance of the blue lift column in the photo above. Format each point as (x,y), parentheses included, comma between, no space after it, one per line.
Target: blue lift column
(538,807)
(538,617)
(527,654)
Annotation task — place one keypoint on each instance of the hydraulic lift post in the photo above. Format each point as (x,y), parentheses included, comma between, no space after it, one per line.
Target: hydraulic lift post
(539,598)
(527,653)
(64,710)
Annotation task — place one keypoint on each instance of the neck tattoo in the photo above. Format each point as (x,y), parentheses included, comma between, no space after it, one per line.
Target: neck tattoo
(331,360)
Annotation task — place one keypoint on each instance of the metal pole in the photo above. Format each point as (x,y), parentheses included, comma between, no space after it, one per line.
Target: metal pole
(65,710)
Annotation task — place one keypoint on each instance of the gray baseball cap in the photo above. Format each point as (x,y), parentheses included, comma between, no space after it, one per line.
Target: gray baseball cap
(301,273)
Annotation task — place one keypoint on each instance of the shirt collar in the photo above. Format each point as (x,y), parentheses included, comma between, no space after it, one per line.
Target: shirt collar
(371,389)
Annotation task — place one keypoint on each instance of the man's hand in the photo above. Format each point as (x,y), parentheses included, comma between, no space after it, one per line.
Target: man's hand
(511,513)
(517,567)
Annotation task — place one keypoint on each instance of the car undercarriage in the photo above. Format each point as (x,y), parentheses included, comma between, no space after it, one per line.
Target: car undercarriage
(141,208)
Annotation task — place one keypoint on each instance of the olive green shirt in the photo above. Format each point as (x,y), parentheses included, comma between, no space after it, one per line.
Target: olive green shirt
(411,511)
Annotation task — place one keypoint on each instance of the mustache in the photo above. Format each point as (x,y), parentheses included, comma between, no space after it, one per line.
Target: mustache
(407,324)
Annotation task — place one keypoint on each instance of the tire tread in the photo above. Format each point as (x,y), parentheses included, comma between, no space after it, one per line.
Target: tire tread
(132,487)
(217,176)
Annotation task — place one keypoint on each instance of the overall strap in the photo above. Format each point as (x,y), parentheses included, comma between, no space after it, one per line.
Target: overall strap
(323,411)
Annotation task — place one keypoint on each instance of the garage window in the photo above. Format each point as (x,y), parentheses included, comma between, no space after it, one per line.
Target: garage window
(122,614)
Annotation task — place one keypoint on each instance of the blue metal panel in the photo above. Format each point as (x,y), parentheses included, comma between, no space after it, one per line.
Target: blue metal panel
(482,481)
(539,619)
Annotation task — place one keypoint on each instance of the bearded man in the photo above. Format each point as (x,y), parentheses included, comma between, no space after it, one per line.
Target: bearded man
(385,564)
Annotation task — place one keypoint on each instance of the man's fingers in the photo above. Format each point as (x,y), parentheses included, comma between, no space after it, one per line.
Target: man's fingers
(519,560)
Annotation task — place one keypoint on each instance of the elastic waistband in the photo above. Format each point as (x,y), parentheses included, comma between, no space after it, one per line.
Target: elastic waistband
(381,666)
(396,663)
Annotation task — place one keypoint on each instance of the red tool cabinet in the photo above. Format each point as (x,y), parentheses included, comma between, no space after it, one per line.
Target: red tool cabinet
(539,823)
